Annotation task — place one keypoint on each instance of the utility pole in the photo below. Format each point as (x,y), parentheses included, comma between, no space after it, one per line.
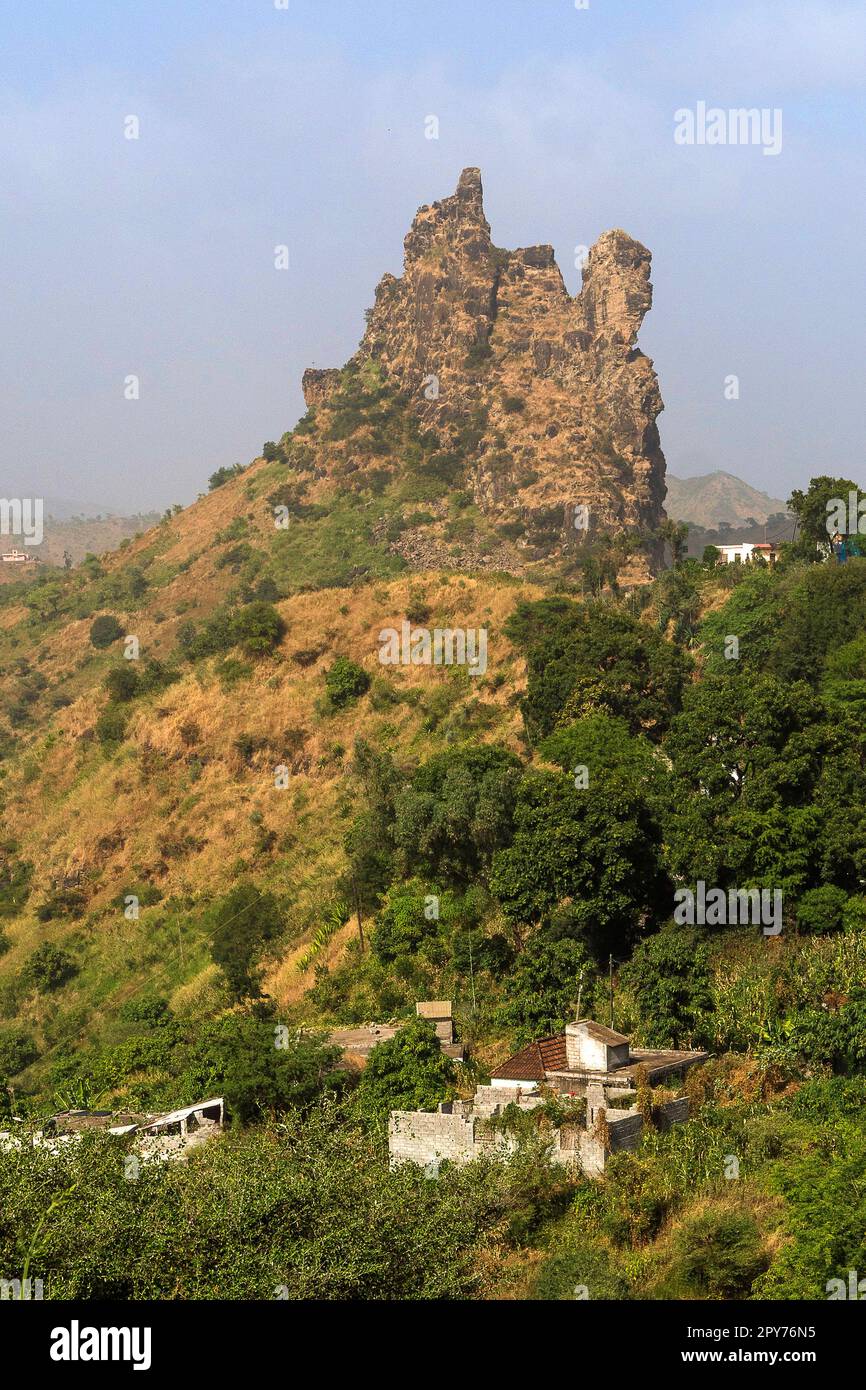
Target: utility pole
(610,985)
(579,991)
(358,911)
(471,973)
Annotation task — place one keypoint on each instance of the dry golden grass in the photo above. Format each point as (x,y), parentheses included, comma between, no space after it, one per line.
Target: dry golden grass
(174,806)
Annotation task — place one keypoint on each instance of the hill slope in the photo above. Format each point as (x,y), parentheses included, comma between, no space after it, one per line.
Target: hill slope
(718,497)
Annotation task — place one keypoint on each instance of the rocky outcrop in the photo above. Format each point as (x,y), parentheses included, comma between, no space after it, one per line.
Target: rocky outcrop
(563,403)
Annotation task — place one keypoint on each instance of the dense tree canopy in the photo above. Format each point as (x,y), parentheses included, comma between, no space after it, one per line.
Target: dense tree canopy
(588,657)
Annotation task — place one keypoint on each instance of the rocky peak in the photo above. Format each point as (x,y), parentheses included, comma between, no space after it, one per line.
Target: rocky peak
(616,293)
(568,403)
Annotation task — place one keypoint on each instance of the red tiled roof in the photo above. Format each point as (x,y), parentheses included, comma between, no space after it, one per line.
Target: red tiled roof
(534,1061)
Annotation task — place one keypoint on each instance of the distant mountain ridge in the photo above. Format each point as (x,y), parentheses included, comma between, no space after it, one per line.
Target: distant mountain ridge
(718,497)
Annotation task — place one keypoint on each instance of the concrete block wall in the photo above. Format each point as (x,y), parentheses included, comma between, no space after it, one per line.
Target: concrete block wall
(456,1131)
(674,1112)
(592,1154)
(416,1136)
(492,1100)
(625,1128)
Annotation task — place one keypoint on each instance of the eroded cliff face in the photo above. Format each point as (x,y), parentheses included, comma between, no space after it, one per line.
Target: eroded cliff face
(564,403)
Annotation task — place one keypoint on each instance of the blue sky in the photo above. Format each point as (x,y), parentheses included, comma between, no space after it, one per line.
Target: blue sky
(305,126)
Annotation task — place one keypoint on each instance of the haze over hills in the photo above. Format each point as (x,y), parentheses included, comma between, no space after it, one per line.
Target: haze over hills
(69,535)
(714,498)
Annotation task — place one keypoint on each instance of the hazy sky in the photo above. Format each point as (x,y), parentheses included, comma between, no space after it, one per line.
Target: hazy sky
(305,126)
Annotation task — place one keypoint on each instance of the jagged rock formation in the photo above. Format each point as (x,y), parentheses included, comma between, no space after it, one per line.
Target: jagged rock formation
(564,403)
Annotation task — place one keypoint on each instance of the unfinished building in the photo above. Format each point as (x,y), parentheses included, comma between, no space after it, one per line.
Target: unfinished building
(588,1063)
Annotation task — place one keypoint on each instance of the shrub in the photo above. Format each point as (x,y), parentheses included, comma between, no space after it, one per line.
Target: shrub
(408,1072)
(223,475)
(111,726)
(243,921)
(17,1051)
(156,676)
(152,1010)
(345,682)
(478,355)
(718,1254)
(402,926)
(66,902)
(247,745)
(231,672)
(417,608)
(48,968)
(104,630)
(583,1265)
(820,910)
(123,682)
(258,628)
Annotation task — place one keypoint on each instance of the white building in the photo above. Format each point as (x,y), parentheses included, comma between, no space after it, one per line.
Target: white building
(748,550)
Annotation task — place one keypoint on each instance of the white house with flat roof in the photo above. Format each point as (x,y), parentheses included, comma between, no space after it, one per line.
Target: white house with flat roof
(749,550)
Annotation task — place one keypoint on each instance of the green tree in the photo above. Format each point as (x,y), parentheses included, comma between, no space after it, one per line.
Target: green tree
(260,1071)
(408,1072)
(242,923)
(811,509)
(258,628)
(17,1051)
(457,811)
(669,980)
(583,658)
(403,926)
(541,990)
(598,849)
(123,682)
(223,476)
(676,535)
(48,968)
(602,744)
(821,910)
